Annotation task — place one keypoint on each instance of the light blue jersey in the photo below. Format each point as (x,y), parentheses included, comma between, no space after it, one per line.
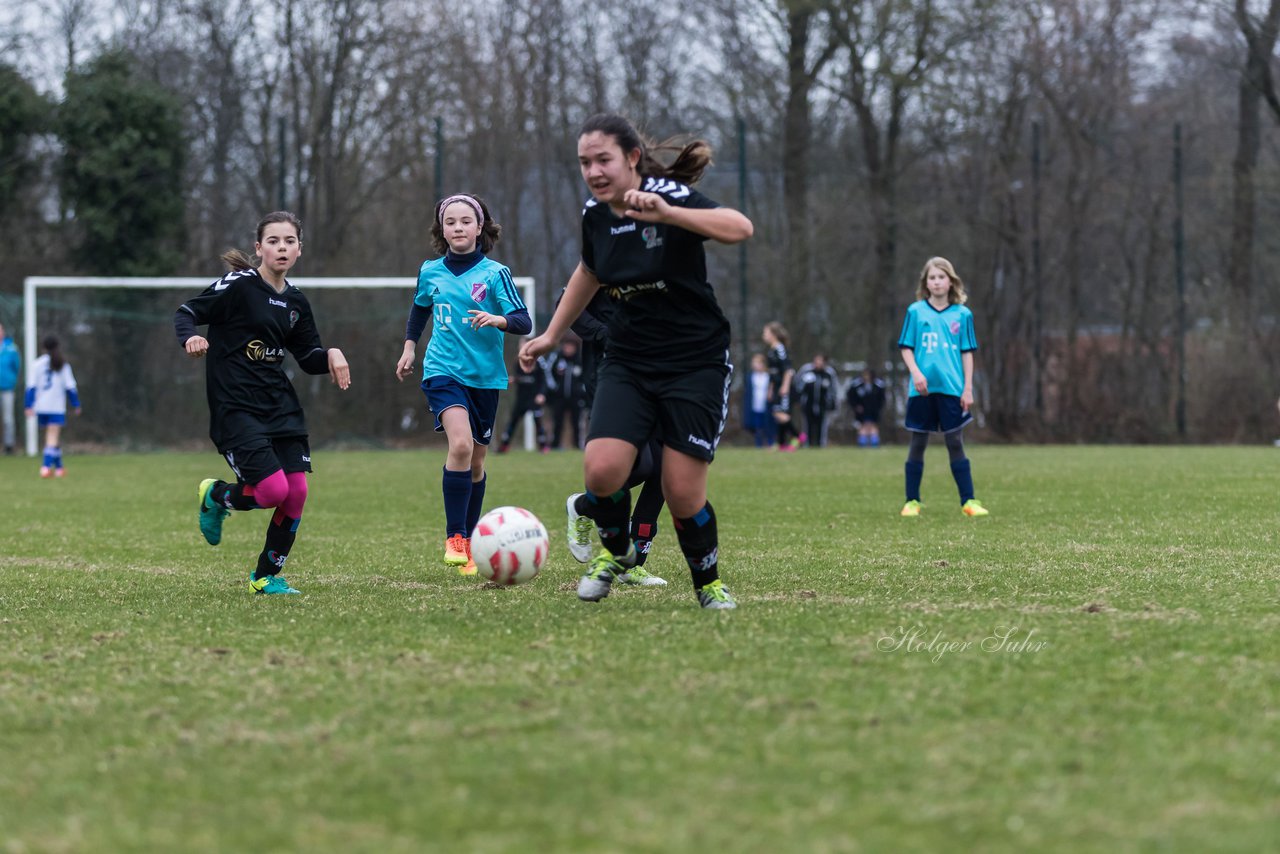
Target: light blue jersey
(471,356)
(938,338)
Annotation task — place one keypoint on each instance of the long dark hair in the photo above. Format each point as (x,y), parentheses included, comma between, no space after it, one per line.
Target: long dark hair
(238,260)
(54,349)
(690,158)
(490,232)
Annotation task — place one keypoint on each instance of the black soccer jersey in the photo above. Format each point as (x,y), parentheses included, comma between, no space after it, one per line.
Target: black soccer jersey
(250,328)
(666,318)
(779,363)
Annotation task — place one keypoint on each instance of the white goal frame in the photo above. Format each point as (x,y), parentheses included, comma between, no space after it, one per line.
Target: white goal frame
(32,285)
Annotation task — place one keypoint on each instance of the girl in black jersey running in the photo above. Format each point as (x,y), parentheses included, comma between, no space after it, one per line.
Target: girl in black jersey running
(666,368)
(256,421)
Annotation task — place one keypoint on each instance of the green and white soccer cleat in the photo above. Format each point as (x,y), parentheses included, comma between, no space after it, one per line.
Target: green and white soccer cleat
(973,507)
(580,531)
(638,576)
(714,597)
(211,513)
(596,582)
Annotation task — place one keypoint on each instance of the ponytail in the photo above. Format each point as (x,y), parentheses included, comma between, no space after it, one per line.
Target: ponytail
(237,260)
(54,350)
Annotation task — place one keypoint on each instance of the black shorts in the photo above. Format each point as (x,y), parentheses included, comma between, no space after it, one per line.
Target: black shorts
(686,412)
(258,459)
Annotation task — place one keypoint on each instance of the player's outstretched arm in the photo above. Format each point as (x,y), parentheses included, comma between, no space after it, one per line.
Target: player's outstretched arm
(339,371)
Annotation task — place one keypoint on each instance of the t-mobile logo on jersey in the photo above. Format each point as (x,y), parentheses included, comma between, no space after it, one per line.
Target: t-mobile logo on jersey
(930,342)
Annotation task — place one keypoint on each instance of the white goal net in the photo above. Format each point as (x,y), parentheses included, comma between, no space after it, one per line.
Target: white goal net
(139,391)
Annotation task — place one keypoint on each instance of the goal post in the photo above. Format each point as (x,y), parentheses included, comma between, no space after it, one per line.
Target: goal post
(33,285)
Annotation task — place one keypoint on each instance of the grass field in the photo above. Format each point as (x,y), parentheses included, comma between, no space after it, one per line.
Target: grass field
(860,698)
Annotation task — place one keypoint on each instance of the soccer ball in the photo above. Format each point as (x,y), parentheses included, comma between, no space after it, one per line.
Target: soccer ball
(509,545)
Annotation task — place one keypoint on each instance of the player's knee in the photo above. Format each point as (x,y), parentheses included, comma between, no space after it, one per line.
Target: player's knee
(272,490)
(297,487)
(604,477)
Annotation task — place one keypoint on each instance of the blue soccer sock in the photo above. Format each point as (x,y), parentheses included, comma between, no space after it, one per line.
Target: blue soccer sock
(964,479)
(456,486)
(47,462)
(915,474)
(475,505)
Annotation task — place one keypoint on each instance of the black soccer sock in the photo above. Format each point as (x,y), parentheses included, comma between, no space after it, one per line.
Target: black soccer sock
(612,513)
(644,519)
(642,534)
(232,496)
(700,544)
(280,536)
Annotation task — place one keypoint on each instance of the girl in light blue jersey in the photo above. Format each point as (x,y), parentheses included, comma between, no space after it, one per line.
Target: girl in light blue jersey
(471,302)
(937,345)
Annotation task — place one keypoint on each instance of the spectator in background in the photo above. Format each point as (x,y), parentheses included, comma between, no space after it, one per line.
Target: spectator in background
(817,383)
(756,415)
(565,392)
(781,377)
(10,370)
(866,398)
(531,388)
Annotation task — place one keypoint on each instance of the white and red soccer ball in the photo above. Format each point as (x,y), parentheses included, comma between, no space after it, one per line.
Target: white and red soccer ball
(509,545)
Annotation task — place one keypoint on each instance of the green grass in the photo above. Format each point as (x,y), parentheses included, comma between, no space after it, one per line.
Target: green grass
(148,702)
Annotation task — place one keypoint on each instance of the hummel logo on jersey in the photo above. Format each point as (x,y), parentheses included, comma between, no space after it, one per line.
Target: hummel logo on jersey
(701,443)
(622,229)
(666,186)
(280,303)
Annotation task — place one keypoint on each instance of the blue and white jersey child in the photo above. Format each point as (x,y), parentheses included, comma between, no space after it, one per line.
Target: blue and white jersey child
(48,391)
(938,339)
(471,356)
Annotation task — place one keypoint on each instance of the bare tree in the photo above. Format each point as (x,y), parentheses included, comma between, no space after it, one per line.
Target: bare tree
(1255,85)
(893,50)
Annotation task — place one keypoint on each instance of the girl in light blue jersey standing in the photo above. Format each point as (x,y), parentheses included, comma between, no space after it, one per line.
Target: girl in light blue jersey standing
(937,345)
(471,302)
